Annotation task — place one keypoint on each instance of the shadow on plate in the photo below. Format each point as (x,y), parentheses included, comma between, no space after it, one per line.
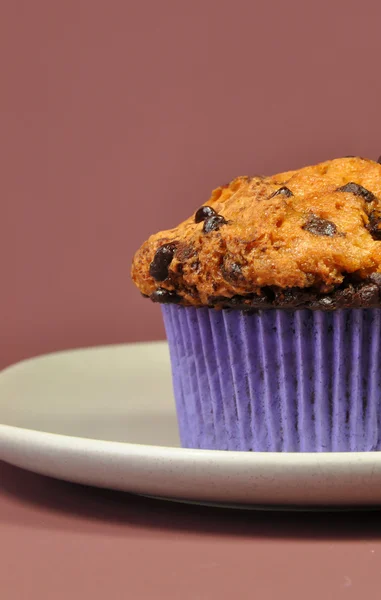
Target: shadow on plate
(45,502)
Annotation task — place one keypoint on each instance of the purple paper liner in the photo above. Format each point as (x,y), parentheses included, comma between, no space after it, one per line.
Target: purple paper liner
(276,380)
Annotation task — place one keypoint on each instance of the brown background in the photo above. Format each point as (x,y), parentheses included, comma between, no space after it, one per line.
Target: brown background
(118,117)
(65,542)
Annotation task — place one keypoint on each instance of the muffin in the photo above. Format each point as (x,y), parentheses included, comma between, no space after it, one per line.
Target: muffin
(271,300)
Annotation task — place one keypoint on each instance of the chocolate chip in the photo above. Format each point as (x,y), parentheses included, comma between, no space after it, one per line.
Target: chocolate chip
(368,294)
(163,296)
(374,225)
(159,266)
(345,297)
(204,213)
(213,223)
(323,303)
(283,191)
(357,190)
(318,226)
(379,160)
(375,278)
(231,271)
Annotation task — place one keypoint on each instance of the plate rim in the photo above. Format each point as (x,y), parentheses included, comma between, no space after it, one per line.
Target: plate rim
(146,450)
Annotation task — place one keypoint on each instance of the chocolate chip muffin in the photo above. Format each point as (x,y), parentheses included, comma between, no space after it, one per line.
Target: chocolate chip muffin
(291,364)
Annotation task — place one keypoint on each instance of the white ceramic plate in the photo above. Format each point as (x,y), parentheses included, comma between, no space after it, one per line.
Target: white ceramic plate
(105,417)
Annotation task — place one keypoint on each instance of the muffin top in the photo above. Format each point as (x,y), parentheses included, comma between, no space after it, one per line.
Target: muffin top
(309,238)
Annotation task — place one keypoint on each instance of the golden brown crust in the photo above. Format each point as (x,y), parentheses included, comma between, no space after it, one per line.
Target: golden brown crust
(309,228)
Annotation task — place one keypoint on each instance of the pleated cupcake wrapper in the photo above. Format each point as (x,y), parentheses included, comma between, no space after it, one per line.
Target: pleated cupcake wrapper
(281,381)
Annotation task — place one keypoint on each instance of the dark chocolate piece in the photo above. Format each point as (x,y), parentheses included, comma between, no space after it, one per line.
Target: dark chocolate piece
(213,223)
(357,190)
(322,303)
(374,225)
(231,271)
(195,266)
(163,296)
(163,257)
(375,278)
(369,294)
(204,213)
(379,160)
(318,226)
(283,191)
